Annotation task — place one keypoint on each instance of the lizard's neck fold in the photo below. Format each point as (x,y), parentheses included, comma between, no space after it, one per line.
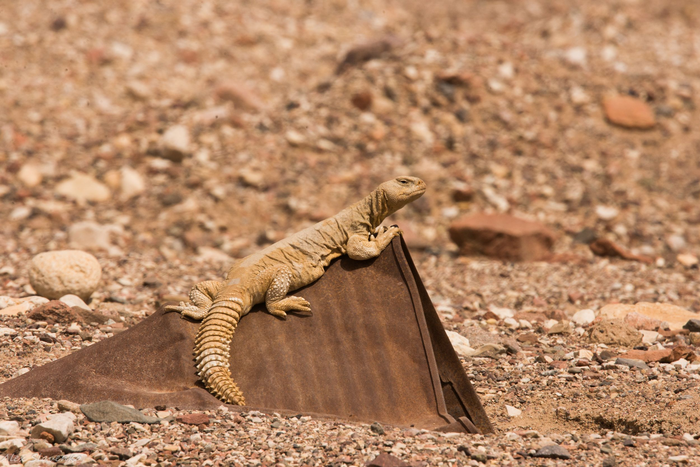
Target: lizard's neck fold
(378,208)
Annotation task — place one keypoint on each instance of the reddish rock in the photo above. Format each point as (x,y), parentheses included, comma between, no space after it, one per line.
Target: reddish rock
(197,418)
(491,315)
(533,317)
(53,451)
(648,355)
(680,351)
(606,247)
(614,332)
(502,236)
(55,312)
(386,460)
(529,338)
(639,321)
(366,51)
(362,100)
(628,112)
(241,96)
(559,365)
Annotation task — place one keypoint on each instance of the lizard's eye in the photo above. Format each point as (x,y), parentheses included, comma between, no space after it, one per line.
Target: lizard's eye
(403,181)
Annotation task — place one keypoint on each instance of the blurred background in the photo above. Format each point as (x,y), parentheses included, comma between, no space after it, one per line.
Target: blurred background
(157,133)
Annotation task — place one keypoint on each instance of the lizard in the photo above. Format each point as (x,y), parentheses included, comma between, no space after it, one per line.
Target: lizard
(294,262)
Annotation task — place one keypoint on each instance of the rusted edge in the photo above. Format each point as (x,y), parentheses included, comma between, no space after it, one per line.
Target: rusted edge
(419,313)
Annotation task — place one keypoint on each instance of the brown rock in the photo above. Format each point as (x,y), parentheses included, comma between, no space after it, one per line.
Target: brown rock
(386,460)
(362,100)
(628,112)
(366,51)
(53,451)
(529,338)
(196,418)
(648,355)
(559,365)
(606,247)
(241,96)
(680,351)
(615,332)
(639,321)
(46,436)
(533,317)
(502,236)
(55,311)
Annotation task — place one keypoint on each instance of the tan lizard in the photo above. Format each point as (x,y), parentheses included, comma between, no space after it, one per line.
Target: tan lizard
(285,266)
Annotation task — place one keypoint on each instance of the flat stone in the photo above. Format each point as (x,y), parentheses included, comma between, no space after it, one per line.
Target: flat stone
(460,344)
(502,236)
(368,50)
(687,260)
(632,363)
(9,428)
(89,235)
(83,188)
(193,418)
(14,310)
(54,274)
(108,411)
(628,112)
(74,301)
(615,332)
(674,316)
(54,311)
(512,411)
(583,317)
(242,97)
(175,143)
(386,460)
(552,451)
(608,248)
(60,426)
(132,183)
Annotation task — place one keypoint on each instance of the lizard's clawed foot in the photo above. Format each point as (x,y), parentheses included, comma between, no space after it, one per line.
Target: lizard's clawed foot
(280,308)
(188,311)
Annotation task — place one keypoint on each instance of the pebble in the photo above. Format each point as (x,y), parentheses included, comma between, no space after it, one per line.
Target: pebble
(73,300)
(15,310)
(693,325)
(132,183)
(629,112)
(552,451)
(687,260)
(583,317)
(9,428)
(60,426)
(138,90)
(175,143)
(632,363)
(460,344)
(606,213)
(54,311)
(83,188)
(512,411)
(193,418)
(54,274)
(30,175)
(615,332)
(242,97)
(108,411)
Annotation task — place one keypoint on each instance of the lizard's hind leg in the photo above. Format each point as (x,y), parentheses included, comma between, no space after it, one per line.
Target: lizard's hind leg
(202,296)
(278,304)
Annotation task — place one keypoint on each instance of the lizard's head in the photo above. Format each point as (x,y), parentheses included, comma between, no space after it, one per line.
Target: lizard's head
(401,191)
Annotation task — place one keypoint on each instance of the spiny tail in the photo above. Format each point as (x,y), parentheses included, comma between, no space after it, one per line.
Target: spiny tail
(211,349)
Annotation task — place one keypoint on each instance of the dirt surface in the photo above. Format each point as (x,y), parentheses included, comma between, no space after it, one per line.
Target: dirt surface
(497,105)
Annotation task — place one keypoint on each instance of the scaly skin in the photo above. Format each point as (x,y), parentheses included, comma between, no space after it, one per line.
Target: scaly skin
(292,263)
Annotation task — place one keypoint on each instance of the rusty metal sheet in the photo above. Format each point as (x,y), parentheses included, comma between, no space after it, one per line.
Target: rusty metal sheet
(373,350)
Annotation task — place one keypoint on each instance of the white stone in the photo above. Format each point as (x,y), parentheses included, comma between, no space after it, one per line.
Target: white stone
(15,310)
(511,323)
(687,260)
(82,188)
(512,411)
(6,301)
(75,458)
(73,300)
(54,274)
(502,313)
(138,90)
(506,70)
(688,437)
(294,138)
(576,56)
(175,143)
(583,317)
(30,175)
(460,344)
(132,183)
(74,329)
(525,324)
(681,363)
(12,443)
(606,213)
(578,96)
(585,353)
(549,323)
(40,463)
(7,332)
(59,425)
(9,428)
(649,337)
(676,242)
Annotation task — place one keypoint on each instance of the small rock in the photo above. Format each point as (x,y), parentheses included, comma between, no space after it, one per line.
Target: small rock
(40,462)
(460,344)
(639,321)
(687,260)
(489,351)
(295,138)
(7,331)
(583,317)
(73,300)
(54,311)
(9,428)
(60,426)
(241,96)
(138,90)
(89,235)
(15,310)
(606,247)
(693,325)
(649,337)
(610,461)
(175,143)
(606,213)
(512,411)
(362,100)
(386,460)
(501,313)
(552,451)
(676,242)
(54,274)
(121,452)
(193,418)
(366,51)
(108,411)
(377,428)
(83,188)
(628,112)
(576,56)
(73,329)
(68,406)
(75,459)
(132,183)
(631,362)
(562,327)
(615,332)
(30,175)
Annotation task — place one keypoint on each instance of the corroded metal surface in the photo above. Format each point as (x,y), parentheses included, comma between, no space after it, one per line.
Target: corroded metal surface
(373,350)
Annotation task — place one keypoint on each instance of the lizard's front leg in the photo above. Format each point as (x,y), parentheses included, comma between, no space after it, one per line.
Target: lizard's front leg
(276,300)
(361,247)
